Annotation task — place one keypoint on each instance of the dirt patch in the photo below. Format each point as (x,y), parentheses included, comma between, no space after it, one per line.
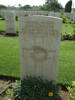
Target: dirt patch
(8,34)
(7,82)
(64,95)
(4,86)
(2,33)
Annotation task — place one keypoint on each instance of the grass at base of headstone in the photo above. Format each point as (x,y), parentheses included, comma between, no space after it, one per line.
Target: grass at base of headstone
(10,59)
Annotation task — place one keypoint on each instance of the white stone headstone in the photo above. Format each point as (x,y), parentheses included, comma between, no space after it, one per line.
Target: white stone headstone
(74,17)
(51,13)
(10,22)
(3,13)
(57,14)
(21,13)
(54,14)
(39,42)
(67,15)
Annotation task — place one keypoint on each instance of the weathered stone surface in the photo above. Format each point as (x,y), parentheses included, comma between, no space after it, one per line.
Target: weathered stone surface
(10,22)
(39,42)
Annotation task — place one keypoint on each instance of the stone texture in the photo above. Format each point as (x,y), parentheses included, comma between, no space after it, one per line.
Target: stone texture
(39,42)
(10,22)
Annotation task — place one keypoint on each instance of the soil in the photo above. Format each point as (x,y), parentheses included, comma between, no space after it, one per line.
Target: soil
(6,83)
(3,85)
(8,34)
(9,82)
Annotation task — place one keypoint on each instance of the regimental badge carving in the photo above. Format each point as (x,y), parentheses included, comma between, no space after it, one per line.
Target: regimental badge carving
(39,53)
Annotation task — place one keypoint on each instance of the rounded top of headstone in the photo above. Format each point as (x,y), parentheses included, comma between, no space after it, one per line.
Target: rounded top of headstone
(42,17)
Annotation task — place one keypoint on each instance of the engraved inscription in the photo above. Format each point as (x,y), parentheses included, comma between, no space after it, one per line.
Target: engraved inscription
(39,28)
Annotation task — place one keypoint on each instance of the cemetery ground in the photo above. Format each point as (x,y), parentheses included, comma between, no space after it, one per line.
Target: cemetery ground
(10,61)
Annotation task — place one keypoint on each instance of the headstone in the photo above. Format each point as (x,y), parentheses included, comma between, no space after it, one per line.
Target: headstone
(51,13)
(67,15)
(39,42)
(21,13)
(3,13)
(57,14)
(74,17)
(10,22)
(54,14)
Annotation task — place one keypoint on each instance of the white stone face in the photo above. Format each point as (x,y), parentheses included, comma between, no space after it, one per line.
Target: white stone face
(10,22)
(39,43)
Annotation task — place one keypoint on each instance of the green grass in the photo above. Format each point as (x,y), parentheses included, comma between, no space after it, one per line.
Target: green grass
(9,56)
(68,28)
(66,73)
(2,25)
(10,59)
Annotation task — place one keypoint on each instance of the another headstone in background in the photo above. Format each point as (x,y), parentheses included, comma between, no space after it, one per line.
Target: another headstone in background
(3,14)
(51,13)
(39,42)
(21,13)
(10,22)
(74,17)
(57,14)
(54,14)
(68,15)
